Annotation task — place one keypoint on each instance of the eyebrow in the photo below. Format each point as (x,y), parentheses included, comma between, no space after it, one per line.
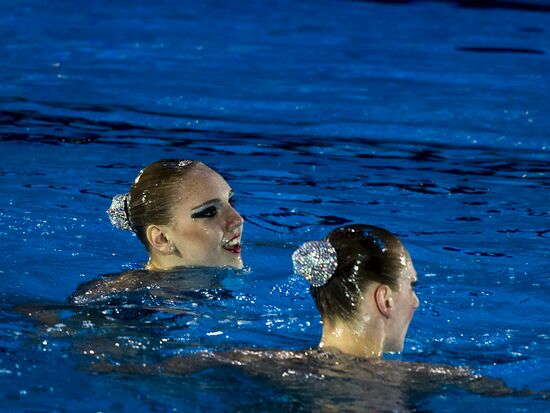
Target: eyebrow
(211,201)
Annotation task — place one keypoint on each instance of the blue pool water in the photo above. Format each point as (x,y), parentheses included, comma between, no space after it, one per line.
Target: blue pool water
(427,118)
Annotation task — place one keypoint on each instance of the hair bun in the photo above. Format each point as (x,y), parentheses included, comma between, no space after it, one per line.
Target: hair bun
(118,212)
(316,261)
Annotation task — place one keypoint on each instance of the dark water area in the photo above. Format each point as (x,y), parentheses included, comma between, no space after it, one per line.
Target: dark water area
(532,6)
(427,118)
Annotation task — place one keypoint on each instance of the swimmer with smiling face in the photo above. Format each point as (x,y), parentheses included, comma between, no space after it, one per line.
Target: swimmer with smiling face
(362,280)
(183,213)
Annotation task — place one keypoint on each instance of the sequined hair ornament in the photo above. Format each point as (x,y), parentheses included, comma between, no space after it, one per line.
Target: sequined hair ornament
(118,212)
(185,162)
(316,261)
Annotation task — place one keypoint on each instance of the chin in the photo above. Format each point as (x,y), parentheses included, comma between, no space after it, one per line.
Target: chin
(236,263)
(239,264)
(396,347)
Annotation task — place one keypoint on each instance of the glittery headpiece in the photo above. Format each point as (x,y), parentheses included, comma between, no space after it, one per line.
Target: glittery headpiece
(183,163)
(316,261)
(118,212)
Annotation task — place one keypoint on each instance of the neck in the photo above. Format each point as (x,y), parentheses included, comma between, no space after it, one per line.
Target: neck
(165,262)
(151,265)
(360,339)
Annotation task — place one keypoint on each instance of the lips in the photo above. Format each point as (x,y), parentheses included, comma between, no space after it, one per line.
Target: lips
(233,245)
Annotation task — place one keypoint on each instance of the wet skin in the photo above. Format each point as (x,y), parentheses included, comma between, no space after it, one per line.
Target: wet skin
(404,302)
(206,229)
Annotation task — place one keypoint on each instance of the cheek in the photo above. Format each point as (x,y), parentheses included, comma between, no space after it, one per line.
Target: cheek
(203,227)
(208,235)
(199,233)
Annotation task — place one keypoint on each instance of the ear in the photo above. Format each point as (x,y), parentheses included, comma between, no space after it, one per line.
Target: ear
(383,299)
(157,239)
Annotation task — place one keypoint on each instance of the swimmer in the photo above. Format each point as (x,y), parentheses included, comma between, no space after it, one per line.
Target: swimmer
(183,213)
(362,281)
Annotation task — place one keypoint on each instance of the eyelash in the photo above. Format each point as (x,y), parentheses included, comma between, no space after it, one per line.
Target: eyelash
(211,211)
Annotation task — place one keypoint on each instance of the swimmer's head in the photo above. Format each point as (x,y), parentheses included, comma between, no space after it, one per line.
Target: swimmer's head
(154,194)
(182,211)
(358,274)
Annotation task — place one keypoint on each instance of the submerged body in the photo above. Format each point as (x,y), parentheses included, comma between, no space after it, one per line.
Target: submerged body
(318,380)
(176,284)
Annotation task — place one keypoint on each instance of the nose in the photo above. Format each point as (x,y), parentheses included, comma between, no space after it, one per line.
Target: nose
(233,220)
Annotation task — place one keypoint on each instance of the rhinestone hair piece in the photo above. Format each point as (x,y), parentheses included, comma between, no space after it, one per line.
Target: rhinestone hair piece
(316,261)
(184,163)
(118,212)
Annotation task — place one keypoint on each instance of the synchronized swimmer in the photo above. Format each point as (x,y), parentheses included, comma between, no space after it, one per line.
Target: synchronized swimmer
(362,281)
(362,277)
(183,213)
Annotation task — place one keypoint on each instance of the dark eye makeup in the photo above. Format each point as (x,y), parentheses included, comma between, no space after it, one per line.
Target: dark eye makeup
(211,211)
(207,212)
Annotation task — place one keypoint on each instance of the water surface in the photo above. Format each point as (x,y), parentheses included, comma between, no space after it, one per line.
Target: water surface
(429,119)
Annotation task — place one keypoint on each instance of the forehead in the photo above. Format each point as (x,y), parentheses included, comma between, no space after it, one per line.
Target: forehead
(409,273)
(202,184)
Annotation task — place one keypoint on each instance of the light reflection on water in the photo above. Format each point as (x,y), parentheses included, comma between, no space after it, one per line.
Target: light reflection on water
(453,236)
